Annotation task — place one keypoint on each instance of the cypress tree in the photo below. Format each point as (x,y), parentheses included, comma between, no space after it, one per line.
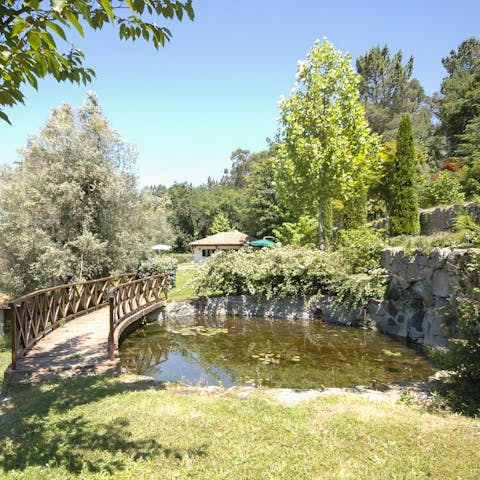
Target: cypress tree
(403,213)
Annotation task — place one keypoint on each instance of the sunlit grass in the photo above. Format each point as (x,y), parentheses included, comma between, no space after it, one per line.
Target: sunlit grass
(184,289)
(98,428)
(5,356)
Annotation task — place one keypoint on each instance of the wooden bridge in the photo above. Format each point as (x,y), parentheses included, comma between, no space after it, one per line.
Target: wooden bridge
(74,329)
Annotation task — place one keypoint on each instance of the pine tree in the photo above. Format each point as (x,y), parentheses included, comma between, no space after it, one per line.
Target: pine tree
(220,224)
(403,214)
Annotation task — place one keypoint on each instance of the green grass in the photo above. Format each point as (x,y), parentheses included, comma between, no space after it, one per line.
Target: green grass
(5,357)
(99,428)
(427,242)
(184,288)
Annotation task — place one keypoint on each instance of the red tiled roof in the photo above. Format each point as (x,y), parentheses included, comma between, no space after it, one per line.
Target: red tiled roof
(224,239)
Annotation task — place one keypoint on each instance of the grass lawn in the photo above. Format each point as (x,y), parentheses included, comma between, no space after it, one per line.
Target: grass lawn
(99,428)
(5,357)
(124,428)
(183,287)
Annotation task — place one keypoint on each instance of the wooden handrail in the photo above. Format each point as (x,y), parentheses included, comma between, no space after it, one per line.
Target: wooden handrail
(38,313)
(131,300)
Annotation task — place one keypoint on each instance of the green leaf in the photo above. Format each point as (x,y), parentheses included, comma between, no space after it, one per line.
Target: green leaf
(106,5)
(4,117)
(58,5)
(19,26)
(34,39)
(57,29)
(73,19)
(31,79)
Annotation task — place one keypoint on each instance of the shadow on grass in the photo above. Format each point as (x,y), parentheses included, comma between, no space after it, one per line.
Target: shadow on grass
(36,429)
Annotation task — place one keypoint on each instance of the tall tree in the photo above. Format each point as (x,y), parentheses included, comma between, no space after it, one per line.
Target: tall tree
(403,205)
(388,90)
(459,104)
(263,209)
(220,224)
(70,208)
(30,30)
(325,146)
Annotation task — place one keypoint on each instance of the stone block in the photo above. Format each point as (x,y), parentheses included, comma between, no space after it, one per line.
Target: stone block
(415,335)
(441,284)
(432,327)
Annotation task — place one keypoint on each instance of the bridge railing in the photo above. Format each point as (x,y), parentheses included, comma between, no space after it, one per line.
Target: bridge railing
(38,313)
(132,300)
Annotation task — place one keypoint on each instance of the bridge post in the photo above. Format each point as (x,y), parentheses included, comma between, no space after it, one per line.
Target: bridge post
(111,346)
(11,320)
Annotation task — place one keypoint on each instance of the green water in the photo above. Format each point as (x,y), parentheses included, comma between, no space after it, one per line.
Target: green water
(273,353)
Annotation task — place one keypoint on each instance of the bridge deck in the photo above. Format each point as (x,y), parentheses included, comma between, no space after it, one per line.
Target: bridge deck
(77,348)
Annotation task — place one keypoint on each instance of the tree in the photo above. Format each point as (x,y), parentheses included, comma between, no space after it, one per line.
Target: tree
(70,209)
(263,209)
(388,90)
(459,110)
(220,224)
(403,205)
(193,209)
(29,32)
(325,148)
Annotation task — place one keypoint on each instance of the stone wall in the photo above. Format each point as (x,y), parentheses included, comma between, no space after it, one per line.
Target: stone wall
(441,219)
(438,219)
(419,287)
(295,309)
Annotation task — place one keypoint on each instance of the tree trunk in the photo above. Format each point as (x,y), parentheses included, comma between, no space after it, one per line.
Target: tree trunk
(321,235)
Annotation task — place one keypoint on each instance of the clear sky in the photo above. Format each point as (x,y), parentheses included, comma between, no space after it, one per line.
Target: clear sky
(215,86)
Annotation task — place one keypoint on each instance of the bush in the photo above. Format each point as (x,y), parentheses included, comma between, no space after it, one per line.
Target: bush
(289,271)
(157,264)
(361,248)
(442,189)
(462,356)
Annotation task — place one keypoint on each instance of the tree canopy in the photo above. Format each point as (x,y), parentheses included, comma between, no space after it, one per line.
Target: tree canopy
(388,90)
(325,146)
(71,209)
(403,204)
(30,30)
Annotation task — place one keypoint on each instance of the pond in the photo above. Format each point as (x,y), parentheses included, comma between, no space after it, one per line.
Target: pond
(269,353)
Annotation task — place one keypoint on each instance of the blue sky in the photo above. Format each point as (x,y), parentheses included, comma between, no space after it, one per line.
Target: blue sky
(215,87)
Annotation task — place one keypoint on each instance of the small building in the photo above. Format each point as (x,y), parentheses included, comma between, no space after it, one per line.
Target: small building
(205,247)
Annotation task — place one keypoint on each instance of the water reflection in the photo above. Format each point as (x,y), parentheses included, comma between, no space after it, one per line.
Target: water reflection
(274,353)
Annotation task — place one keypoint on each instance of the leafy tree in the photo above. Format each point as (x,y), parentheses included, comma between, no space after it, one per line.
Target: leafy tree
(403,204)
(459,111)
(459,105)
(388,90)
(355,210)
(442,189)
(70,208)
(325,146)
(263,209)
(193,209)
(220,224)
(242,163)
(303,232)
(30,30)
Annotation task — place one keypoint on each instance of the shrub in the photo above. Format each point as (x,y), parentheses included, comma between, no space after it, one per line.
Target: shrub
(361,248)
(442,189)
(157,264)
(289,271)
(462,355)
